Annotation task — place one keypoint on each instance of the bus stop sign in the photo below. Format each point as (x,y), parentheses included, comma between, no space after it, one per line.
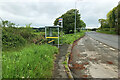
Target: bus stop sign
(60,19)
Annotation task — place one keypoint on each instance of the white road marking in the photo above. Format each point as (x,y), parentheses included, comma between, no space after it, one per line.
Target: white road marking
(91,38)
(100,43)
(105,45)
(112,49)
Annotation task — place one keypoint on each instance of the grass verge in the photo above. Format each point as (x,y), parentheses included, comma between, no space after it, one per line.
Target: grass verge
(34,61)
(107,32)
(70,38)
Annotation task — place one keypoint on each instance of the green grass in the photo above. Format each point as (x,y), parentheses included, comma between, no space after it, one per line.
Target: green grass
(107,32)
(70,38)
(33,61)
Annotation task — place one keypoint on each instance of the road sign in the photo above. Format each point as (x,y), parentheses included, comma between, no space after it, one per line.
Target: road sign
(60,19)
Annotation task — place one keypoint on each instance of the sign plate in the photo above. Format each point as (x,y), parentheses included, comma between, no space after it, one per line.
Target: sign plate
(60,19)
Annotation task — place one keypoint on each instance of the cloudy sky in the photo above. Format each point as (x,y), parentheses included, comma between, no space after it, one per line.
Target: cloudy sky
(44,12)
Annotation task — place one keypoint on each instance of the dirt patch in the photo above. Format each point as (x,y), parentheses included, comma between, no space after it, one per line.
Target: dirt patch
(109,62)
(77,66)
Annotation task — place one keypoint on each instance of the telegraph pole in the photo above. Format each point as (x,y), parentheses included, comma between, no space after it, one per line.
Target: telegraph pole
(75,14)
(75,18)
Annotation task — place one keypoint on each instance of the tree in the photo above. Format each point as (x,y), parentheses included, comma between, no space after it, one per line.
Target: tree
(7,23)
(82,24)
(28,25)
(69,21)
(112,18)
(118,19)
(103,22)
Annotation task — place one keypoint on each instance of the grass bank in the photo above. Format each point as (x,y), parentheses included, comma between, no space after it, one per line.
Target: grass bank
(107,32)
(33,61)
(70,38)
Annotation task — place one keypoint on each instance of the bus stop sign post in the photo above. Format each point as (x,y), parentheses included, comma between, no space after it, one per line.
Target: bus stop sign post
(61,21)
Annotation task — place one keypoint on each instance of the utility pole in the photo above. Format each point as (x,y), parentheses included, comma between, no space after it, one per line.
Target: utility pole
(75,18)
(75,14)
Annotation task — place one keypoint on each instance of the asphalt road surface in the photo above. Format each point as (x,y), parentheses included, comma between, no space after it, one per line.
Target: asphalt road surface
(94,59)
(111,40)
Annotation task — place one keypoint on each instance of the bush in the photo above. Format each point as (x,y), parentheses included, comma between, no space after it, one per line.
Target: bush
(13,37)
(26,33)
(10,40)
(40,39)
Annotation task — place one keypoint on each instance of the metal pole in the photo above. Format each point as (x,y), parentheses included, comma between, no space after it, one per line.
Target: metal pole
(58,36)
(45,33)
(61,31)
(75,17)
(62,23)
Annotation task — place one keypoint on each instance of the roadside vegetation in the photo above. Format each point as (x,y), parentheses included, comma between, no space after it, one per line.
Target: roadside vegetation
(69,26)
(33,61)
(111,25)
(107,32)
(69,21)
(70,38)
(25,53)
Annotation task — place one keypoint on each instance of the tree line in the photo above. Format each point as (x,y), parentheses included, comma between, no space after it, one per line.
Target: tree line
(69,21)
(112,23)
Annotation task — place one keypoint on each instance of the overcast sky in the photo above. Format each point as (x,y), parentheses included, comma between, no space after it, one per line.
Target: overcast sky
(44,12)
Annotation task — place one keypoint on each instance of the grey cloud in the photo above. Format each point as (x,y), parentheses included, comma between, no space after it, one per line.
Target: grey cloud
(44,13)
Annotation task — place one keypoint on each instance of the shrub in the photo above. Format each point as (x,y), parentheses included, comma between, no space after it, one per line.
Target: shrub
(10,40)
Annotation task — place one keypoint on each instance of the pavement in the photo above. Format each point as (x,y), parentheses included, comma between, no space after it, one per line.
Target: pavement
(59,71)
(92,58)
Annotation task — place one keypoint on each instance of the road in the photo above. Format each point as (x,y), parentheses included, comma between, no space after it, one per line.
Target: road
(111,40)
(92,59)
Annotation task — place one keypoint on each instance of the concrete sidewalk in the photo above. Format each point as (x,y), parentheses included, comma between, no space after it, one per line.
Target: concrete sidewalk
(59,70)
(93,59)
